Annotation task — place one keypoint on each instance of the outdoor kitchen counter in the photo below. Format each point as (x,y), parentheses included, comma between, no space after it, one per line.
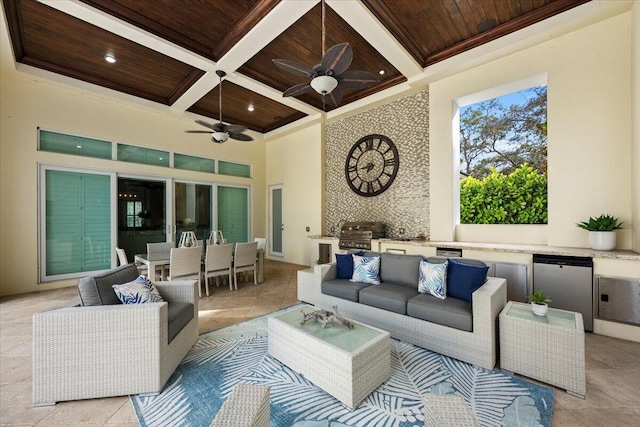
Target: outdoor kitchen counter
(506,247)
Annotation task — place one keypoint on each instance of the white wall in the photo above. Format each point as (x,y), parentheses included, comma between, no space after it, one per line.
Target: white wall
(589,130)
(635,90)
(295,162)
(27,104)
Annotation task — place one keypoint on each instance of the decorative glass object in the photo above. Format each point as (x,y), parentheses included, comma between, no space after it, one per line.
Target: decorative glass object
(188,239)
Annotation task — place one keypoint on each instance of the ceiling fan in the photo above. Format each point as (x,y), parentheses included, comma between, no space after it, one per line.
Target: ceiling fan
(330,74)
(219,131)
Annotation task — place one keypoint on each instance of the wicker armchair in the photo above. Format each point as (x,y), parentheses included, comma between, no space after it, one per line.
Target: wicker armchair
(87,352)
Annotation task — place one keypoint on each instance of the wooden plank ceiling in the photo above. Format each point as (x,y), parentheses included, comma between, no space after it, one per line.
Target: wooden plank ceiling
(167,51)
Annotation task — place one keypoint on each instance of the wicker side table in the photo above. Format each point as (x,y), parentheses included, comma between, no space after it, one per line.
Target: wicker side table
(546,348)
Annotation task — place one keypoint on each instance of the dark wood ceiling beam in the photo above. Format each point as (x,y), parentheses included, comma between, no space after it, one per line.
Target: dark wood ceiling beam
(516,24)
(255,15)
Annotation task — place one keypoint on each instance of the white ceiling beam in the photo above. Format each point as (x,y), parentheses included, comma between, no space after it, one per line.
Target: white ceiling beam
(367,25)
(271,26)
(121,28)
(271,93)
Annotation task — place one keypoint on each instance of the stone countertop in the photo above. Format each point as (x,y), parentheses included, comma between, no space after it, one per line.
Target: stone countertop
(514,248)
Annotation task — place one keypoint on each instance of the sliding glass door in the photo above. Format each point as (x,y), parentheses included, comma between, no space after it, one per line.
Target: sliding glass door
(233,213)
(193,209)
(142,215)
(76,223)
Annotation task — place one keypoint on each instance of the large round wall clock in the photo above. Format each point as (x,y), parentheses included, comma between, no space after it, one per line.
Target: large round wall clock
(372,165)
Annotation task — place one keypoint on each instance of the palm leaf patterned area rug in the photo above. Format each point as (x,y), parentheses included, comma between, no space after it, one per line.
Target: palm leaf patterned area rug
(238,354)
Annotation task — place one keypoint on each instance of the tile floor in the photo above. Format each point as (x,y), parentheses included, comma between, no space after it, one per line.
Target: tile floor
(613,365)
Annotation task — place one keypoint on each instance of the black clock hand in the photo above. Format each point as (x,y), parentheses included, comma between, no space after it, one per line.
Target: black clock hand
(368,167)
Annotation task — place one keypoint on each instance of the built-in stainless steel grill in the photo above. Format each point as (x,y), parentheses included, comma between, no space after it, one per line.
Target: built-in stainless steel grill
(358,235)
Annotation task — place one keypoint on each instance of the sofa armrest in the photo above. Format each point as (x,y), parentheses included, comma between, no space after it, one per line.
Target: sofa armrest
(326,271)
(178,291)
(491,298)
(86,352)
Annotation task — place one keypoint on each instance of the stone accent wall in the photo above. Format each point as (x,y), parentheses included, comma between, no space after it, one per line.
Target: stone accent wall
(406,203)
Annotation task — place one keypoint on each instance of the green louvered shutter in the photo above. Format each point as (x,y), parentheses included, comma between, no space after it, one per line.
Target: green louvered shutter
(233,213)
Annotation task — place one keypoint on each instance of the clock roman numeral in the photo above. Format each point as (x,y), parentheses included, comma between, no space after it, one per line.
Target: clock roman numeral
(389,162)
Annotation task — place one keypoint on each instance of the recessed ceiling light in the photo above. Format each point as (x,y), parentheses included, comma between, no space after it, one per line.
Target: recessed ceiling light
(250,107)
(110,58)
(381,72)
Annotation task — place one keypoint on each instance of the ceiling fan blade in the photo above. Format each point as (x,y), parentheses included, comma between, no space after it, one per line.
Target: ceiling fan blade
(294,67)
(205,124)
(234,128)
(297,89)
(357,79)
(219,127)
(240,136)
(337,59)
(334,97)
(198,131)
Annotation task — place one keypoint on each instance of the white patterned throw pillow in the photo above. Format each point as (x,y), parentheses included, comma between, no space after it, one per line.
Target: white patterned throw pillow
(433,279)
(139,291)
(366,269)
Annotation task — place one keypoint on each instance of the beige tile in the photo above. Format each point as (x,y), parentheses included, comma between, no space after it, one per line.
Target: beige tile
(564,418)
(85,411)
(612,364)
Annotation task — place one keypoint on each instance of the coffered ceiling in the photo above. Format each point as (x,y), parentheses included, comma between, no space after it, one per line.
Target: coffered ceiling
(167,51)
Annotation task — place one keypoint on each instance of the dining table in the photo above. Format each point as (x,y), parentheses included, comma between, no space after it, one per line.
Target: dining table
(163,259)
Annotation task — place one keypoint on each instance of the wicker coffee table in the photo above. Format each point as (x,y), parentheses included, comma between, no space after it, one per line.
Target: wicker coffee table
(346,363)
(546,348)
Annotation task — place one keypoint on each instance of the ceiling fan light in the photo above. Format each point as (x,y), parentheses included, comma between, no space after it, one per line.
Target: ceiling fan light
(324,84)
(219,137)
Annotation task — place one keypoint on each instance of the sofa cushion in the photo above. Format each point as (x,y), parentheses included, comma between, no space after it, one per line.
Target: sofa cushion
(97,290)
(344,265)
(178,314)
(388,296)
(366,269)
(433,279)
(139,291)
(451,312)
(342,288)
(400,269)
(463,279)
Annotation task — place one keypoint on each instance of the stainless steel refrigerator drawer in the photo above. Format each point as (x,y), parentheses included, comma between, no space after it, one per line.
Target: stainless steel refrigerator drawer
(618,299)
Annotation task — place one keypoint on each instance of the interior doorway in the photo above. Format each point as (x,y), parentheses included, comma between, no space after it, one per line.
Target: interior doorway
(276,226)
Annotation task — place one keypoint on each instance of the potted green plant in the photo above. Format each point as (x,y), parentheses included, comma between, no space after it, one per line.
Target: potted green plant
(602,231)
(539,303)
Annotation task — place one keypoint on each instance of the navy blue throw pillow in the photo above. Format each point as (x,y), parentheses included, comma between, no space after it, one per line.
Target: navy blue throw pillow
(464,279)
(344,263)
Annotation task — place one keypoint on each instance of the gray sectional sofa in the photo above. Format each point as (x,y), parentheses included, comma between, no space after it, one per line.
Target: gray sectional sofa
(453,327)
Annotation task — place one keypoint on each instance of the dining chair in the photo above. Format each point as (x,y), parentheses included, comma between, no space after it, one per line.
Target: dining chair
(160,248)
(262,243)
(218,262)
(245,259)
(184,263)
(124,260)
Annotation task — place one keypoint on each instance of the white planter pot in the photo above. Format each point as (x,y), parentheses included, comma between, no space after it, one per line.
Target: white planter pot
(539,309)
(602,240)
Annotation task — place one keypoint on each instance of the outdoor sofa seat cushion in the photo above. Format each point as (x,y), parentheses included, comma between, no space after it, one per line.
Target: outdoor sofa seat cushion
(388,296)
(179,314)
(97,290)
(451,312)
(343,288)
